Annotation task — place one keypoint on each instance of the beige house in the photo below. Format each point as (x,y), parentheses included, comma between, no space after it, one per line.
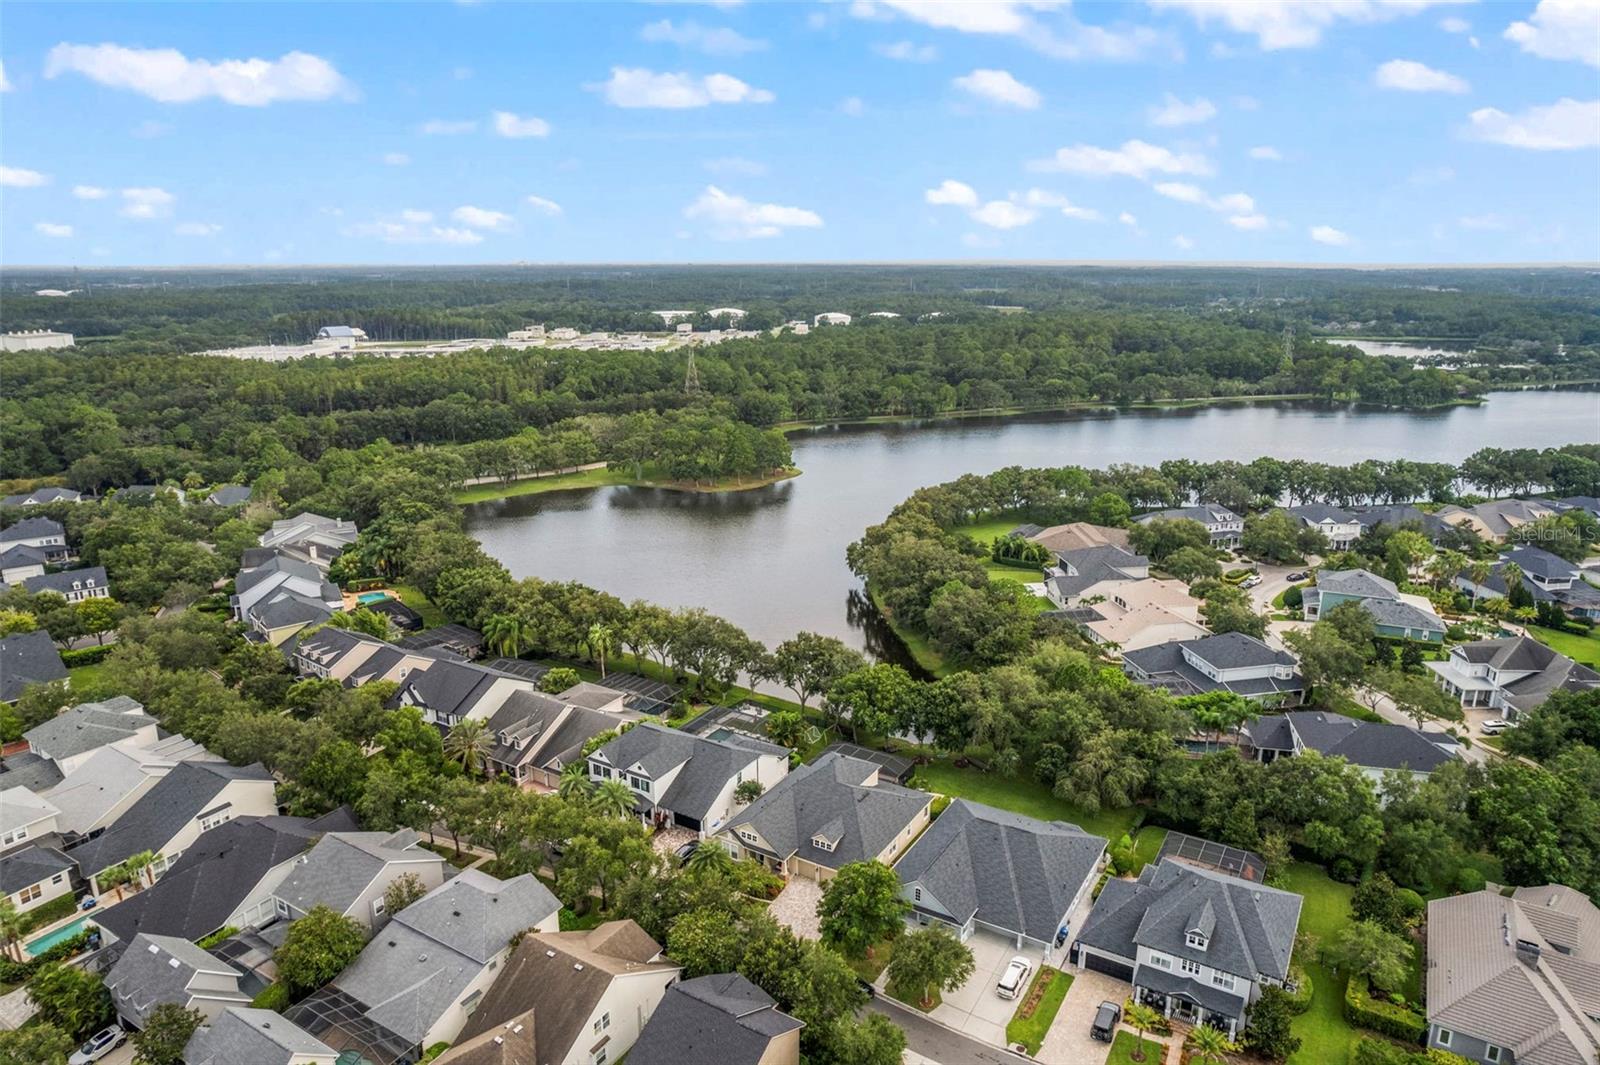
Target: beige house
(1132,614)
(1074,536)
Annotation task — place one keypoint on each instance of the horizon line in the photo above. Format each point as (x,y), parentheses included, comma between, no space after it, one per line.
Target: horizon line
(1258,264)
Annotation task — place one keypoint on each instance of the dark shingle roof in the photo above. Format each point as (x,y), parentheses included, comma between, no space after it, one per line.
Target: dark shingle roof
(28,658)
(29,866)
(88,726)
(229,495)
(146,976)
(1356,582)
(244,1036)
(722,1018)
(68,580)
(1370,744)
(28,528)
(1204,513)
(710,763)
(22,555)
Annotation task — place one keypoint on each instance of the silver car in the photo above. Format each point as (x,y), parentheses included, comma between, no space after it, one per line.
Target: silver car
(98,1045)
(1015,978)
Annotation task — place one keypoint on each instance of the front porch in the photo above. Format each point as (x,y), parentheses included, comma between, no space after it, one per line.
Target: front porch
(1182,1009)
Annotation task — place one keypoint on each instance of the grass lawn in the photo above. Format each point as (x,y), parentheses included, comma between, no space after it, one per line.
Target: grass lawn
(571,922)
(445,851)
(986,532)
(87,679)
(870,967)
(1585,649)
(1023,796)
(1030,1030)
(1126,1044)
(1147,844)
(1323,1031)
(412,597)
(921,650)
(479,493)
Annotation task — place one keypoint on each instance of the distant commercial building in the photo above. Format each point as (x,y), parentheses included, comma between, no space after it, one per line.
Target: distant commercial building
(563,333)
(338,337)
(35,340)
(668,317)
(527,332)
(831,318)
(726,312)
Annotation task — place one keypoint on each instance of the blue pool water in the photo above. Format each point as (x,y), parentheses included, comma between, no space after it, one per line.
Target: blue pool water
(50,939)
(371,597)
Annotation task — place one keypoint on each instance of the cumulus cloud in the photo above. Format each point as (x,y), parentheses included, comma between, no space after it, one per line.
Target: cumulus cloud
(638,87)
(90,192)
(413,227)
(712,40)
(396,159)
(1003,214)
(507,124)
(953,194)
(1560,29)
(1058,202)
(906,52)
(544,206)
(481,218)
(998,87)
(168,75)
(1017,209)
(1407,75)
(1452,24)
(1135,159)
(732,217)
(148,202)
(1046,26)
(736,165)
(1328,235)
(1291,23)
(197,229)
(1239,208)
(1182,243)
(1127,219)
(15,177)
(1563,125)
(1172,111)
(446,127)
(52,229)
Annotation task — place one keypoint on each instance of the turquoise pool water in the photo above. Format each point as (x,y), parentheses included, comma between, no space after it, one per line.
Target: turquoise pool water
(371,597)
(50,939)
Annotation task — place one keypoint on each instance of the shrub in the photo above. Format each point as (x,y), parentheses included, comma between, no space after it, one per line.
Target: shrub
(1370,1051)
(1469,880)
(1364,1011)
(49,913)
(1300,998)
(86,656)
(273,997)
(1411,905)
(217,937)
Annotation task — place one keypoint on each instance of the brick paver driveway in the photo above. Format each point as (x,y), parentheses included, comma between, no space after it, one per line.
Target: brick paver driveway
(796,906)
(1068,1041)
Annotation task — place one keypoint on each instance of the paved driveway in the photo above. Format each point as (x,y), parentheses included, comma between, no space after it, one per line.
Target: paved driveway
(974,1008)
(1068,1039)
(796,906)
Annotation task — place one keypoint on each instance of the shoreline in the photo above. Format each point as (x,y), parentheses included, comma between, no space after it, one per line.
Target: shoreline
(605,477)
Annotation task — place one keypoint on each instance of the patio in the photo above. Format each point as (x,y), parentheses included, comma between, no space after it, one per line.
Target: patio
(669,838)
(796,907)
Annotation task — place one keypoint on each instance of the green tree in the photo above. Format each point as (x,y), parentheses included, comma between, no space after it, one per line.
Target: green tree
(13,926)
(1270,1031)
(98,616)
(1327,659)
(71,999)
(165,1033)
(402,891)
(1209,1046)
(786,727)
(469,742)
(705,942)
(747,791)
(612,798)
(928,960)
(575,784)
(506,634)
(558,680)
(860,906)
(1142,1018)
(317,948)
(600,640)
(870,1040)
(1366,947)
(1192,563)
(872,698)
(808,664)
(35,1044)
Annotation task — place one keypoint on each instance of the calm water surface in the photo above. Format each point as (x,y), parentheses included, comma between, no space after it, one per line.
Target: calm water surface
(772,560)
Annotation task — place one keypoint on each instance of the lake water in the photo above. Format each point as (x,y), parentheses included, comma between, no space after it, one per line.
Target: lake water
(1401,349)
(772,559)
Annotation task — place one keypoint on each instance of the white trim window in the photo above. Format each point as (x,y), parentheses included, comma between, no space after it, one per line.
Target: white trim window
(749,837)
(1196,940)
(1160,961)
(1444,1037)
(1491,1052)
(1189,968)
(1223,980)
(822,844)
(602,1022)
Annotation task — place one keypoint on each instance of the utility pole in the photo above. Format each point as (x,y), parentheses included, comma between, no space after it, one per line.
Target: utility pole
(1288,346)
(691,376)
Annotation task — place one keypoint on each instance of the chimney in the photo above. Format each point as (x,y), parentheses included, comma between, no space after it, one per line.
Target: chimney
(1528,953)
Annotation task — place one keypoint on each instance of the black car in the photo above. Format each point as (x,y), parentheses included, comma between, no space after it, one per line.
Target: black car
(1105,1021)
(1295,578)
(684,852)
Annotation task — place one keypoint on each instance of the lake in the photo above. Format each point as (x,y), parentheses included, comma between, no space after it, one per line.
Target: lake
(1403,349)
(772,559)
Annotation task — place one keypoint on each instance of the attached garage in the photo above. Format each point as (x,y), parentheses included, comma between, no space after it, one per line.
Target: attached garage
(1104,963)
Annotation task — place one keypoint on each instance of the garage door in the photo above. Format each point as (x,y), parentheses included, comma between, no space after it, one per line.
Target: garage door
(1100,964)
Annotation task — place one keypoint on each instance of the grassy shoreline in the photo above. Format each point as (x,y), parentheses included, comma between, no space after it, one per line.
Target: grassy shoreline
(483,493)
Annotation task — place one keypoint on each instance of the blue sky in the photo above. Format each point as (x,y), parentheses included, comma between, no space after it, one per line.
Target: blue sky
(1204,130)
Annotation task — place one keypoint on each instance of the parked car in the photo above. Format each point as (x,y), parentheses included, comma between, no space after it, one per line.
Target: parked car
(866,986)
(1296,578)
(1105,1022)
(1250,581)
(684,852)
(1494,726)
(98,1046)
(1015,978)
(1061,935)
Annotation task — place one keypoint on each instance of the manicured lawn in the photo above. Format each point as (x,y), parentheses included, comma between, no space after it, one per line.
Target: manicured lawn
(1030,1030)
(1126,1043)
(444,850)
(413,598)
(1147,844)
(986,532)
(479,493)
(1585,649)
(1023,796)
(87,679)
(869,968)
(1323,1031)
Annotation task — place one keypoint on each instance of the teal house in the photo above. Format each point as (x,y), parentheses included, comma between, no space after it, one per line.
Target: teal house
(1393,616)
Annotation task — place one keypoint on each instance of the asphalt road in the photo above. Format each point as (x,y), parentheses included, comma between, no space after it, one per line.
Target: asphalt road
(945,1046)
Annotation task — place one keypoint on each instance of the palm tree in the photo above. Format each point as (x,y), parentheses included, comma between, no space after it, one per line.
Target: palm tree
(612,798)
(12,925)
(1143,1018)
(469,742)
(1479,571)
(600,639)
(1445,566)
(575,783)
(1209,1046)
(710,858)
(143,862)
(506,634)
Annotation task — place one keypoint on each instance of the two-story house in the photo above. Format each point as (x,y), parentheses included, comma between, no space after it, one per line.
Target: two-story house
(1512,674)
(722,1018)
(1196,944)
(160,969)
(1547,578)
(72,736)
(536,736)
(348,872)
(449,693)
(1230,662)
(28,658)
(826,815)
(311,537)
(259,1037)
(19,562)
(1393,614)
(40,496)
(73,585)
(1339,526)
(45,534)
(33,871)
(1225,528)
(687,780)
(280,595)
(1068,581)
(1127,615)
(1374,747)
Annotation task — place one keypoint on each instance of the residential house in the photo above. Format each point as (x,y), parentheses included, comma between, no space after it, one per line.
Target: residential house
(569,998)
(1073,536)
(1515,980)
(1339,526)
(538,735)
(20,562)
(40,496)
(26,818)
(73,585)
(826,815)
(159,969)
(153,491)
(1196,944)
(1230,662)
(33,876)
(194,797)
(458,640)
(311,538)
(591,696)
(349,872)
(1394,615)
(1496,519)
(354,658)
(449,692)
(1075,572)
(243,1036)
(1129,615)
(1512,674)
(46,534)
(69,738)
(1400,515)
(424,975)
(977,866)
(721,1018)
(1372,746)
(28,658)
(1588,503)
(687,780)
(1225,528)
(113,777)
(229,495)
(225,879)
(280,595)
(1546,577)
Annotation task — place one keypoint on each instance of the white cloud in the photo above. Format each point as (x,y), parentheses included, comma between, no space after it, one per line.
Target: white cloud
(1127,219)
(1056,201)
(736,218)
(1043,25)
(149,202)
(515,126)
(1182,192)
(1328,235)
(999,87)
(1003,214)
(1407,75)
(1292,23)
(5,82)
(539,203)
(396,159)
(1134,158)
(1239,207)
(197,229)
(1560,29)
(1248,221)
(416,217)
(1175,112)
(1455,25)
(906,52)
(852,106)
(1266,152)
(1483,221)
(15,177)
(712,40)
(953,194)
(168,75)
(1563,125)
(638,87)
(737,165)
(90,192)
(1182,243)
(413,227)
(481,218)
(52,229)
(445,127)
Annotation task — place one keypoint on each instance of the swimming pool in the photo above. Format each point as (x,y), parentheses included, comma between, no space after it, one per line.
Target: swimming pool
(368,598)
(38,946)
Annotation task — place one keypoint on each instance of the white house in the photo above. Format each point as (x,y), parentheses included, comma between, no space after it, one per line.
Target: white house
(46,534)
(831,318)
(349,872)
(20,562)
(1341,527)
(1230,662)
(1513,674)
(687,780)
(24,817)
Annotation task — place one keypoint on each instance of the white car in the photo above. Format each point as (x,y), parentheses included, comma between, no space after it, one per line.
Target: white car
(1494,726)
(1015,978)
(1251,581)
(98,1046)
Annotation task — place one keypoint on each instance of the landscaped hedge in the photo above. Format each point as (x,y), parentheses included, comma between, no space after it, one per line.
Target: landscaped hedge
(1300,999)
(1370,1050)
(1364,1011)
(49,913)
(86,656)
(16,972)
(272,997)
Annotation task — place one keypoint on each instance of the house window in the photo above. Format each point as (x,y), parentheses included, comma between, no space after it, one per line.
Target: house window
(602,1023)
(208,823)
(1195,940)
(1445,1035)
(377,907)
(1192,968)
(1491,1052)
(1160,961)
(470,1003)
(638,783)
(822,844)
(14,835)
(1223,980)
(748,837)
(282,907)
(58,878)
(29,893)
(916,894)
(598,1057)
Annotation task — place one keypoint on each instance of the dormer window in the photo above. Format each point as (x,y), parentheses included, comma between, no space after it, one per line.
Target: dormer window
(1196,940)
(822,844)
(748,837)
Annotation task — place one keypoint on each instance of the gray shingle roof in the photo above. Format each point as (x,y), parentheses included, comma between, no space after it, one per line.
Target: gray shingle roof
(1356,582)
(42,495)
(157,969)
(229,495)
(1370,744)
(1204,513)
(1165,665)
(830,797)
(244,1036)
(68,580)
(28,658)
(548,728)
(30,865)
(1016,873)
(29,770)
(88,726)
(708,764)
(28,528)
(1317,513)
(722,1018)
(22,555)
(1402,615)
(477,914)
(342,865)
